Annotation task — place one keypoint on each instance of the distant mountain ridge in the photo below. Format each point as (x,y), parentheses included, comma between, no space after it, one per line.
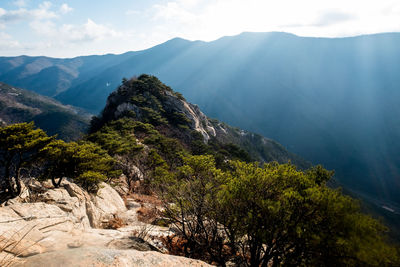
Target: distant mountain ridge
(331,100)
(18,105)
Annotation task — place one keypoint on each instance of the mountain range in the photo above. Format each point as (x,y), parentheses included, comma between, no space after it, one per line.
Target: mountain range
(330,100)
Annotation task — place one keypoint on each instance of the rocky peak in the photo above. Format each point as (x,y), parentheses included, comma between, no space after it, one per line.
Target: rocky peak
(148,100)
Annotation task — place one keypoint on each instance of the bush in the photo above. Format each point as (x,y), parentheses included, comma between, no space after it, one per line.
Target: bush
(270,215)
(85,162)
(193,190)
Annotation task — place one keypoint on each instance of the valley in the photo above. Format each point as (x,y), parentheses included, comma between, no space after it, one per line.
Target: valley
(333,101)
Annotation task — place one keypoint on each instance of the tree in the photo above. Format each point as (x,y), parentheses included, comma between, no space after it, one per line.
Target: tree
(193,190)
(282,216)
(19,146)
(93,166)
(269,216)
(118,139)
(58,161)
(85,162)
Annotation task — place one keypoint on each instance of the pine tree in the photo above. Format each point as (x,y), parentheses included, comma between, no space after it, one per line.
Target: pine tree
(19,147)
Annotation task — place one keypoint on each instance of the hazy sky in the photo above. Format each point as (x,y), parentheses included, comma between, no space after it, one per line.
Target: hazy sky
(66,28)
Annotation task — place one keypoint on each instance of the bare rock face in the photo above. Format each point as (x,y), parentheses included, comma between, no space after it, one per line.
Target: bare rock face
(23,248)
(90,210)
(75,191)
(92,256)
(121,185)
(64,217)
(70,203)
(64,228)
(108,201)
(199,121)
(31,228)
(125,107)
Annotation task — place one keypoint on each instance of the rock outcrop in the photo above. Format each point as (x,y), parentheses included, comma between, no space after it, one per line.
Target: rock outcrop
(99,257)
(64,221)
(61,218)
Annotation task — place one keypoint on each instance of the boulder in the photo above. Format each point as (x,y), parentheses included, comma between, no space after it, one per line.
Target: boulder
(24,196)
(69,201)
(68,220)
(75,191)
(64,218)
(41,215)
(121,185)
(106,203)
(93,256)
(87,210)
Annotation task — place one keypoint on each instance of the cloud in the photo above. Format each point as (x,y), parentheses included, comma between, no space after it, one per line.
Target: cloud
(72,33)
(44,28)
(153,22)
(333,17)
(132,12)
(173,11)
(327,18)
(7,42)
(45,5)
(211,19)
(22,14)
(64,9)
(2,25)
(90,31)
(20,3)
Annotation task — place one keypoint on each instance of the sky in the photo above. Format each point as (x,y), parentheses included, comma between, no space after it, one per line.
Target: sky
(69,28)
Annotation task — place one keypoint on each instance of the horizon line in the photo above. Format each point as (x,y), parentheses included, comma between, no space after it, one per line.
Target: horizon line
(219,38)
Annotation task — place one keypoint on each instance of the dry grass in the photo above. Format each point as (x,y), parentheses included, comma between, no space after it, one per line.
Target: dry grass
(8,244)
(148,214)
(143,232)
(150,206)
(174,244)
(115,223)
(142,198)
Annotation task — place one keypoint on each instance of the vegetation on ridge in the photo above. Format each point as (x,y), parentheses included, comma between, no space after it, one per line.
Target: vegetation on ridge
(274,214)
(27,151)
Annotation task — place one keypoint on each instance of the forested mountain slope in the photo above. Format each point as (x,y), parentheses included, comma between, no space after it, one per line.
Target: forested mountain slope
(331,100)
(18,105)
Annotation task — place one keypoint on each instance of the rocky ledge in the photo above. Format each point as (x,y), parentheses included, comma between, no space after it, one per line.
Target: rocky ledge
(92,256)
(65,226)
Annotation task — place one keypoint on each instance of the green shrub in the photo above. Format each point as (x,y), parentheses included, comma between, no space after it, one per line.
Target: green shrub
(275,214)
(85,162)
